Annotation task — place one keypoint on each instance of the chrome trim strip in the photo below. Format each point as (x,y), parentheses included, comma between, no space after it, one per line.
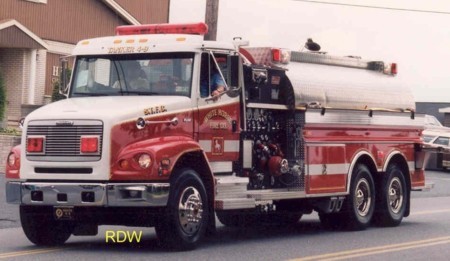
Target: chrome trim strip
(105,194)
(355,117)
(267,106)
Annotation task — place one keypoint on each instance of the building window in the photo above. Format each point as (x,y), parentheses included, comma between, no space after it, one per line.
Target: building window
(55,71)
(38,1)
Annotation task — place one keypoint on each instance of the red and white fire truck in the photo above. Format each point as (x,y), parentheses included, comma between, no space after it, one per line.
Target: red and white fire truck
(293,132)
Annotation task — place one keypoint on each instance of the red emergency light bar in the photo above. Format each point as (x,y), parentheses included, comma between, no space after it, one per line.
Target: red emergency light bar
(197,28)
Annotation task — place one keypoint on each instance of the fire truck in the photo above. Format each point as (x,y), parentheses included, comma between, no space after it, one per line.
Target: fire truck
(293,132)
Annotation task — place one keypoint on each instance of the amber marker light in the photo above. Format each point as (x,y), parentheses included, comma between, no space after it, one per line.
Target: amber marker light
(124,164)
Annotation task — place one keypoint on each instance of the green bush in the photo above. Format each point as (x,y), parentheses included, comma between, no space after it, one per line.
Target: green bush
(2,97)
(56,96)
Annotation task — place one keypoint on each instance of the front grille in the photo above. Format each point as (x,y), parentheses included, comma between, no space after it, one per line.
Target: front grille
(62,142)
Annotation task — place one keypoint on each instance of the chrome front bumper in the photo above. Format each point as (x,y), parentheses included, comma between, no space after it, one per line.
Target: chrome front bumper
(88,194)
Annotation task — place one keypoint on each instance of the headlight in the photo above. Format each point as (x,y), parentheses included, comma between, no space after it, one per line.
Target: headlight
(11,159)
(144,160)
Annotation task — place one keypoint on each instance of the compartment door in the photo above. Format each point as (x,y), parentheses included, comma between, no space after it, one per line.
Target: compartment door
(326,168)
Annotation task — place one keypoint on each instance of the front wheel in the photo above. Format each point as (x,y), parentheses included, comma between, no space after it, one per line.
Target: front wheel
(187,213)
(392,198)
(359,206)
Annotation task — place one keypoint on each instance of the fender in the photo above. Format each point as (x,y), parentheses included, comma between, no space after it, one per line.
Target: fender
(13,171)
(391,155)
(355,159)
(164,153)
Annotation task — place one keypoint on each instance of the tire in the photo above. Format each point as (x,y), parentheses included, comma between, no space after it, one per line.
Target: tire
(392,198)
(359,206)
(40,227)
(186,216)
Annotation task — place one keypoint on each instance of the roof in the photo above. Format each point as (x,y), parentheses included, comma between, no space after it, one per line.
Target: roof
(124,14)
(14,35)
(147,43)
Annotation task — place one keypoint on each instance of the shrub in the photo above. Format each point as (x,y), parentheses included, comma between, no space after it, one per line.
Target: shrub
(56,96)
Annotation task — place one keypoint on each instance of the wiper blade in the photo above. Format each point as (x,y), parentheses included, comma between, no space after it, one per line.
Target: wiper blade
(139,93)
(89,94)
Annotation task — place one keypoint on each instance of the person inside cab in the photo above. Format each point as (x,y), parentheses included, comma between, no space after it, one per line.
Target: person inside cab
(134,77)
(211,82)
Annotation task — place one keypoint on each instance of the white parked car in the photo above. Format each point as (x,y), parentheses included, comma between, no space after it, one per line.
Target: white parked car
(437,136)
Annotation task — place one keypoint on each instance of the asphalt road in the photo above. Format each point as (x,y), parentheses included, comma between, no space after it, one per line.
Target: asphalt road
(425,234)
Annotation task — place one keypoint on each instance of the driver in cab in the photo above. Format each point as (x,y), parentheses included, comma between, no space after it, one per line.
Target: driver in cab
(134,79)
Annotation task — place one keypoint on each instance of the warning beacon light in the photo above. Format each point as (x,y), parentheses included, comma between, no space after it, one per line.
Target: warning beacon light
(196,28)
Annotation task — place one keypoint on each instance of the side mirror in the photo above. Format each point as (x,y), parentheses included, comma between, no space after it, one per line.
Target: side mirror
(234,66)
(64,81)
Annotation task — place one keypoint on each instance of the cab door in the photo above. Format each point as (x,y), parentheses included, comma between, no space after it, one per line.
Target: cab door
(219,116)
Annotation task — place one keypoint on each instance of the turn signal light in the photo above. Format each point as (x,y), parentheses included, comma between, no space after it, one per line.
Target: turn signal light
(281,55)
(124,164)
(394,69)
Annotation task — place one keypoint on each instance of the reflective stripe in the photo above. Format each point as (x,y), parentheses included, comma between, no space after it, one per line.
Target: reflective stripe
(411,165)
(221,166)
(327,169)
(230,145)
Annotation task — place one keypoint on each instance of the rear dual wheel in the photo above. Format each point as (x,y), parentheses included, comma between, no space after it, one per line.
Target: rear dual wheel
(392,198)
(358,208)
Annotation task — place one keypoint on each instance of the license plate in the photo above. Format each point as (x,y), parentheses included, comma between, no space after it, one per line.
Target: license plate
(63,213)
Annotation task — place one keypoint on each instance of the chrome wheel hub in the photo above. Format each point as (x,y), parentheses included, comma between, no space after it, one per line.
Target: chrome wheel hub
(395,191)
(190,210)
(363,197)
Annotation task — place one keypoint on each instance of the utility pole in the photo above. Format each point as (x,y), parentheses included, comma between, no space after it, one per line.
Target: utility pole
(211,17)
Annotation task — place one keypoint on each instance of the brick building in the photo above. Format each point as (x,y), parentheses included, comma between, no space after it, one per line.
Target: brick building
(34,34)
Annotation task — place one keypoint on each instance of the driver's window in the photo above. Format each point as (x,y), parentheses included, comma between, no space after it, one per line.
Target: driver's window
(212,71)
(204,76)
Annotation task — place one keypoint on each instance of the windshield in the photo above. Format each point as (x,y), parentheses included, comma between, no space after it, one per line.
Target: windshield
(152,74)
(432,121)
